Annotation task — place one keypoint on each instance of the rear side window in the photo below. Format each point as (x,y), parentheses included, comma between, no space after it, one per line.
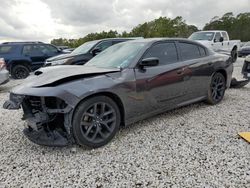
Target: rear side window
(189,51)
(166,52)
(5,49)
(27,49)
(217,37)
(225,36)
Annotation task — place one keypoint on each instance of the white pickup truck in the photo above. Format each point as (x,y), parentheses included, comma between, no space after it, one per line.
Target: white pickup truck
(218,41)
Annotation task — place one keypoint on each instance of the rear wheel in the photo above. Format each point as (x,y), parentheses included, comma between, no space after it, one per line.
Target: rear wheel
(20,72)
(216,89)
(96,121)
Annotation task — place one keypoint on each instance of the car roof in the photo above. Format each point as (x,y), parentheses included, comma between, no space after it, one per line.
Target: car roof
(21,43)
(125,38)
(152,40)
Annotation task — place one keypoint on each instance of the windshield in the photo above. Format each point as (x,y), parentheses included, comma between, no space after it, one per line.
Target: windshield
(202,36)
(84,48)
(117,56)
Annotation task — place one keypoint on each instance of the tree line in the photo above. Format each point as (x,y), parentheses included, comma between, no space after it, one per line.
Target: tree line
(238,27)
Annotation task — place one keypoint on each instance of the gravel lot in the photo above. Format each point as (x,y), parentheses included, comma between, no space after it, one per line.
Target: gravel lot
(195,146)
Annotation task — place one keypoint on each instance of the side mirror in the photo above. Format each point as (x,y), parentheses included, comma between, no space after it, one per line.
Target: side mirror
(96,51)
(149,62)
(221,39)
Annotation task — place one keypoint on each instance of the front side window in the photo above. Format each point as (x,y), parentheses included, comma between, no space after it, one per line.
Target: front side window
(52,49)
(165,52)
(189,51)
(84,48)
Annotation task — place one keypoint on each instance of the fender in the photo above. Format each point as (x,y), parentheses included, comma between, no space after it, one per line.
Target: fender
(27,61)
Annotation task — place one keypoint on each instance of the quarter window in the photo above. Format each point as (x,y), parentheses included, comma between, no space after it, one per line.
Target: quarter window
(166,52)
(189,51)
(5,49)
(202,51)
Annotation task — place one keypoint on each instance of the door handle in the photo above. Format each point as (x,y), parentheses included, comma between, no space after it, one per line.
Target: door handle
(180,71)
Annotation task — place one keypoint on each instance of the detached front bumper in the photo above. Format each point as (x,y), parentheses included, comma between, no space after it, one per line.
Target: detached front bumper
(48,119)
(246,68)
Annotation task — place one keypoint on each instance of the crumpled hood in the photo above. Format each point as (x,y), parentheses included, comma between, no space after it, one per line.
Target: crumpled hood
(51,76)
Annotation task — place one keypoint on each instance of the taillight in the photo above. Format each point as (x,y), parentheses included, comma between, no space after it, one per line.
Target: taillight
(2,63)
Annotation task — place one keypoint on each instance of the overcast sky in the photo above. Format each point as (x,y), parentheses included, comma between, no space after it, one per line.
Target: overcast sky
(47,19)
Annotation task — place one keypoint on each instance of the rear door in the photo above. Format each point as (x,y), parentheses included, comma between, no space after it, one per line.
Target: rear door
(200,68)
(217,44)
(225,43)
(35,54)
(163,85)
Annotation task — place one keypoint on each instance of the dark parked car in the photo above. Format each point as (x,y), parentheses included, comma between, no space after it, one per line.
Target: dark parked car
(23,57)
(244,50)
(85,52)
(126,83)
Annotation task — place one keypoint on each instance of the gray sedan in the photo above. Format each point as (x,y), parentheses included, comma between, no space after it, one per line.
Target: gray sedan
(126,83)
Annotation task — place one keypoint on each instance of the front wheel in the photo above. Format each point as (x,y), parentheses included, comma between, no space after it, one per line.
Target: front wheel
(216,89)
(96,121)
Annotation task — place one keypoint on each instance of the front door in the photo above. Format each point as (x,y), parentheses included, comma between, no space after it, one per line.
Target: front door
(163,86)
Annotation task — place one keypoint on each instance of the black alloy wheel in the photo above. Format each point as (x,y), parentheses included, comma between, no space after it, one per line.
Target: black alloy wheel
(20,72)
(96,121)
(217,88)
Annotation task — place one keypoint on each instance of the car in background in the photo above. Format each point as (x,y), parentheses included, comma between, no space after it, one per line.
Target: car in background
(125,83)
(85,52)
(23,57)
(4,74)
(218,41)
(244,50)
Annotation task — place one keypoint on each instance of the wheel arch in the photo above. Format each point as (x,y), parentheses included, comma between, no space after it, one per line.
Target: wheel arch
(223,72)
(20,62)
(235,47)
(112,96)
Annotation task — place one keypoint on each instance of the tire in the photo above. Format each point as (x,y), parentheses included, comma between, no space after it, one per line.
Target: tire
(96,121)
(234,55)
(216,89)
(20,72)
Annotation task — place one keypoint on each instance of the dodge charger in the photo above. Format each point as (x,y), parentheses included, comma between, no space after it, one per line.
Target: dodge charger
(124,84)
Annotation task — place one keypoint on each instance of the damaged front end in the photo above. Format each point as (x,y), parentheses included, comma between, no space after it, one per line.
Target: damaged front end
(246,75)
(48,119)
